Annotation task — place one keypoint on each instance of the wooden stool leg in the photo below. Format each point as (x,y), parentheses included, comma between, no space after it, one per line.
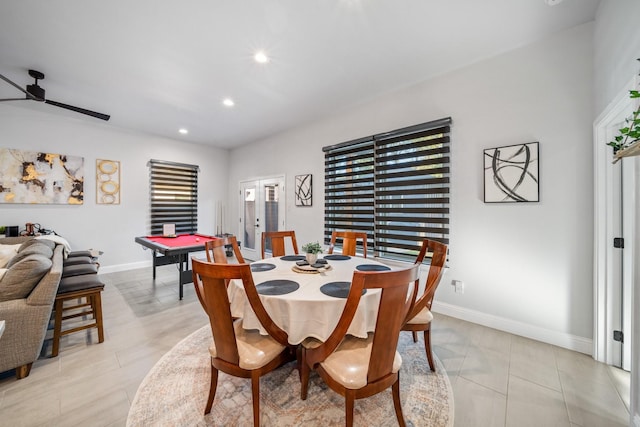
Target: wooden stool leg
(57,327)
(97,314)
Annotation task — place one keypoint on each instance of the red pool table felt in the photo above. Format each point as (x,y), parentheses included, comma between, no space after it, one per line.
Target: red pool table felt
(181,240)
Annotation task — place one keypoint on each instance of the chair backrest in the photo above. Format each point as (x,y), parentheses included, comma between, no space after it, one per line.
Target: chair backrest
(395,301)
(216,250)
(210,280)
(349,242)
(278,243)
(438,253)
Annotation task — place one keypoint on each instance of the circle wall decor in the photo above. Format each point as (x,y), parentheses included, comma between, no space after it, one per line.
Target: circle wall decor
(107,182)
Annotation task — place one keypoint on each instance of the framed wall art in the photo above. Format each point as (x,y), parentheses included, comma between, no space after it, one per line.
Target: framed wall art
(37,177)
(303,190)
(511,174)
(107,182)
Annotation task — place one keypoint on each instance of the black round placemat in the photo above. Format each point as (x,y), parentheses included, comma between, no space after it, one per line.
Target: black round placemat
(337,289)
(262,266)
(337,257)
(277,287)
(293,257)
(372,267)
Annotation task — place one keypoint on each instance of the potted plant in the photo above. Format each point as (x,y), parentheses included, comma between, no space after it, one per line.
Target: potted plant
(311,251)
(628,135)
(3,231)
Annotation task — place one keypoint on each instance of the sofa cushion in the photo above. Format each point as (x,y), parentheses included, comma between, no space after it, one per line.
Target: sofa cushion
(7,252)
(23,276)
(49,243)
(36,249)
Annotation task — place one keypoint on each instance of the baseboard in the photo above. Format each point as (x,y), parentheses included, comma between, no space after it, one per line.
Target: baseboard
(560,339)
(124,267)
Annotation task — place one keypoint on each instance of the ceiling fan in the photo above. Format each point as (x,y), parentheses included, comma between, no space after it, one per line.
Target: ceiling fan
(36,93)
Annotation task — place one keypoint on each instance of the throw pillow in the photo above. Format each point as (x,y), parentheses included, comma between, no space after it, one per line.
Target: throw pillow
(51,244)
(7,252)
(35,249)
(19,280)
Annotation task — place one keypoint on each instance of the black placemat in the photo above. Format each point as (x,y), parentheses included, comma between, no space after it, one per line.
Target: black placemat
(372,267)
(338,289)
(262,266)
(337,257)
(293,257)
(277,287)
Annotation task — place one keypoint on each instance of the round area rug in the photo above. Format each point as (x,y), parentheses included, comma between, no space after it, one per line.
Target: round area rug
(174,393)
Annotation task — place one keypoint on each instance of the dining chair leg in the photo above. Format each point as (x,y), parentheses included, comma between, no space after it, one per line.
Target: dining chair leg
(304,375)
(427,347)
(212,390)
(415,336)
(395,390)
(349,398)
(255,396)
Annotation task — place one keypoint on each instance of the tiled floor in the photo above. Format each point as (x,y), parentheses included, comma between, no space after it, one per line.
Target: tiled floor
(498,379)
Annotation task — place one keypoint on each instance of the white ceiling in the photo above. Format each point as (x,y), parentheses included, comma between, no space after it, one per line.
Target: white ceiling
(157,66)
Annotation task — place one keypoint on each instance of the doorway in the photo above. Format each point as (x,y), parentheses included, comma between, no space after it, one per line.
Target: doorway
(615,218)
(262,208)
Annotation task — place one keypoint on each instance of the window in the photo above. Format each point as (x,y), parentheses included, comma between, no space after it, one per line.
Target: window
(393,186)
(174,196)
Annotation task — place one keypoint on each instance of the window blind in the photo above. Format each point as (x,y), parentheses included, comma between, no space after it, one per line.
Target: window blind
(394,186)
(174,196)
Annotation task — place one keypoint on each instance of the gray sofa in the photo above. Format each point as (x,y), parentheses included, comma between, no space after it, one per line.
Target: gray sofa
(27,292)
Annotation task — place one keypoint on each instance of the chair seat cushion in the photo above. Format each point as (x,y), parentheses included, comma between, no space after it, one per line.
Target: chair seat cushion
(349,364)
(78,283)
(424,316)
(79,269)
(254,350)
(78,260)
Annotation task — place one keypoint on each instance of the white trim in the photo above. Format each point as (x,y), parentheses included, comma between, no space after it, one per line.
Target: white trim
(125,267)
(603,297)
(560,339)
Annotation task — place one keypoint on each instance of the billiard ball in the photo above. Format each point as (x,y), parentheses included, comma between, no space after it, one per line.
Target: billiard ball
(197,239)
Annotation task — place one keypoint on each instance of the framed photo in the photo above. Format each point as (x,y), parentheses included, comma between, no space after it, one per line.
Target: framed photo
(511,174)
(303,190)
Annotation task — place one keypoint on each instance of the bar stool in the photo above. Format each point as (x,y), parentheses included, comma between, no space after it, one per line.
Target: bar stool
(86,288)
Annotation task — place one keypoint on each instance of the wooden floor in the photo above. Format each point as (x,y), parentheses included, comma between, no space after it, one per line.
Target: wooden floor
(498,379)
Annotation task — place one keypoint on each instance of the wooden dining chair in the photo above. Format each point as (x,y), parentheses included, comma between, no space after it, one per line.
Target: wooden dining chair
(420,316)
(358,368)
(236,351)
(349,242)
(278,242)
(216,250)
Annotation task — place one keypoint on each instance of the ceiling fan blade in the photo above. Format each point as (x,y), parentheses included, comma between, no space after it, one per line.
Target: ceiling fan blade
(19,88)
(79,110)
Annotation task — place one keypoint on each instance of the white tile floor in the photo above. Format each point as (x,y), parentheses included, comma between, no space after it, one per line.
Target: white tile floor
(498,379)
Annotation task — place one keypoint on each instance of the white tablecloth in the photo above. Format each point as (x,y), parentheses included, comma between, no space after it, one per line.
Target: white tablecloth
(307,312)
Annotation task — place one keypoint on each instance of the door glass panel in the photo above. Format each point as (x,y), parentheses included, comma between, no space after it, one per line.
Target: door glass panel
(270,210)
(249,218)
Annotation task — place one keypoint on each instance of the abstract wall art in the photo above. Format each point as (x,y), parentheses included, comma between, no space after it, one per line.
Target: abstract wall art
(107,182)
(37,177)
(303,190)
(511,174)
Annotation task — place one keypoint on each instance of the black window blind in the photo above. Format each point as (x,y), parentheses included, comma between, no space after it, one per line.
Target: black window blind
(394,186)
(174,196)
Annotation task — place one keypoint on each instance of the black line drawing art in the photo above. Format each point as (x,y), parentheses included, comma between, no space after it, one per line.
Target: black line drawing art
(303,190)
(511,174)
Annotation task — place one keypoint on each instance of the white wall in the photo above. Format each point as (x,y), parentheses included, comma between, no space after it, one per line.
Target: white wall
(110,228)
(527,267)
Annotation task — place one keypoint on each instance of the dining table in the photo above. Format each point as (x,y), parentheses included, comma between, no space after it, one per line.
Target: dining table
(306,301)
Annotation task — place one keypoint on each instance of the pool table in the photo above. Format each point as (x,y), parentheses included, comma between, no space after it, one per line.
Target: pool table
(175,250)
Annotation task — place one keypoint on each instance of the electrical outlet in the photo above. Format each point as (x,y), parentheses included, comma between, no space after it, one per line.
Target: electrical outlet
(459,286)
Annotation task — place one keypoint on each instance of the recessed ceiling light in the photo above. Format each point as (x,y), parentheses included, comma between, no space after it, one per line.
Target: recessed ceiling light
(552,2)
(261,57)
(183,131)
(228,102)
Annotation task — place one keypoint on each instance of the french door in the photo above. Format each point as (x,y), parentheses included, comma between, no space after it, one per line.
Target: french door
(262,208)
